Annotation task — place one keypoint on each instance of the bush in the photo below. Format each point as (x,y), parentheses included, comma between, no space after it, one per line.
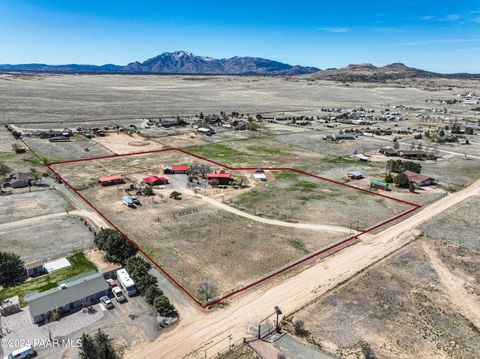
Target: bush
(389,178)
(117,249)
(300,330)
(402,180)
(163,305)
(411,187)
(151,293)
(11,268)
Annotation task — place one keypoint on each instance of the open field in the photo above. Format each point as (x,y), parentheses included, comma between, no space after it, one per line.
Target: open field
(32,204)
(57,151)
(422,302)
(38,237)
(77,98)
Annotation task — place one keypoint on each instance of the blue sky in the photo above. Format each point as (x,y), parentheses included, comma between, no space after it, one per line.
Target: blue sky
(434,35)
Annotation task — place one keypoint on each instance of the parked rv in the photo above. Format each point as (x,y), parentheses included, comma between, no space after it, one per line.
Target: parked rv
(126,283)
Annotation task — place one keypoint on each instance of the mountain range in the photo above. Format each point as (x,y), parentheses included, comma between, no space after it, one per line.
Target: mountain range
(183,62)
(178,62)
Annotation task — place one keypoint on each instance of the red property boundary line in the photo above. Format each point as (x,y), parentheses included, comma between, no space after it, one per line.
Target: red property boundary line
(271,275)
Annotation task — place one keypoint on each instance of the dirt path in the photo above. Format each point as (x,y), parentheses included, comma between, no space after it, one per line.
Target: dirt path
(310,226)
(240,317)
(454,287)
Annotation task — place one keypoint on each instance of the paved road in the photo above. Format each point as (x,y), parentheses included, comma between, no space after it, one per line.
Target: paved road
(240,317)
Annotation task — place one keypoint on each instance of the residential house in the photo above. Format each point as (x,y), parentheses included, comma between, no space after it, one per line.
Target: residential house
(71,295)
(111,180)
(418,179)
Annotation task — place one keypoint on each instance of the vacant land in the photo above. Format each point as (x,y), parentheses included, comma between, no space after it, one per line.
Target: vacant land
(77,98)
(45,237)
(20,206)
(421,303)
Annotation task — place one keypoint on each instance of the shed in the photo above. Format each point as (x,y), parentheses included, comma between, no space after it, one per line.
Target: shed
(35,268)
(111,180)
(379,185)
(355,175)
(176,170)
(20,179)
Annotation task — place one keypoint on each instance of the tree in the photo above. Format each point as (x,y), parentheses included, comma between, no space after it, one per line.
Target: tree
(389,178)
(11,268)
(104,346)
(151,293)
(411,187)
(300,330)
(396,145)
(402,180)
(259,117)
(87,347)
(442,133)
(207,290)
(4,169)
(137,265)
(163,305)
(117,249)
(176,195)
(148,191)
(201,116)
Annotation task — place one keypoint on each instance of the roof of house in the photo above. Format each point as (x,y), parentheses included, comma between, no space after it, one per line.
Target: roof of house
(153,179)
(180,168)
(34,264)
(76,288)
(416,177)
(355,173)
(110,178)
(219,175)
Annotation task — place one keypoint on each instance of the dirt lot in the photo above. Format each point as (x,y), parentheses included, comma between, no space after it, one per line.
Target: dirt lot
(122,143)
(58,151)
(39,239)
(421,303)
(32,204)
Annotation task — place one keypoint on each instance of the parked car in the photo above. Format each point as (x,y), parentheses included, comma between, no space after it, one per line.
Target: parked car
(118,294)
(106,302)
(25,352)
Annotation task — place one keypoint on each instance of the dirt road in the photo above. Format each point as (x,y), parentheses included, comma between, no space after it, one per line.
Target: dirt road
(239,318)
(454,287)
(310,226)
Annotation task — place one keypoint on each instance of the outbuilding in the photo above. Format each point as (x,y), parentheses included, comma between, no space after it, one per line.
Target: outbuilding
(355,175)
(176,170)
(20,179)
(111,180)
(379,185)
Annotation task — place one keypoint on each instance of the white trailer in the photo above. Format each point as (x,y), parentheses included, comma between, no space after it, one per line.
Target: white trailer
(125,282)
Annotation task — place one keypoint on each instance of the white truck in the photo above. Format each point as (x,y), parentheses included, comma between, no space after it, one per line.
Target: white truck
(125,282)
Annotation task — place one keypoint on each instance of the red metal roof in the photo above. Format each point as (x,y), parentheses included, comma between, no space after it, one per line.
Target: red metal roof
(110,178)
(152,179)
(179,168)
(219,175)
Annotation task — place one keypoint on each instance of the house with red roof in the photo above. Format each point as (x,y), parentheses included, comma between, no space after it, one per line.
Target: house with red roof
(220,178)
(418,179)
(111,180)
(155,180)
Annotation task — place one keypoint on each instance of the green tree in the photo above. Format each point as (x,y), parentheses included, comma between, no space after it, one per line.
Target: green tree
(163,305)
(201,116)
(411,187)
(148,191)
(4,169)
(389,178)
(402,180)
(151,293)
(117,249)
(176,195)
(11,268)
(104,346)
(87,349)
